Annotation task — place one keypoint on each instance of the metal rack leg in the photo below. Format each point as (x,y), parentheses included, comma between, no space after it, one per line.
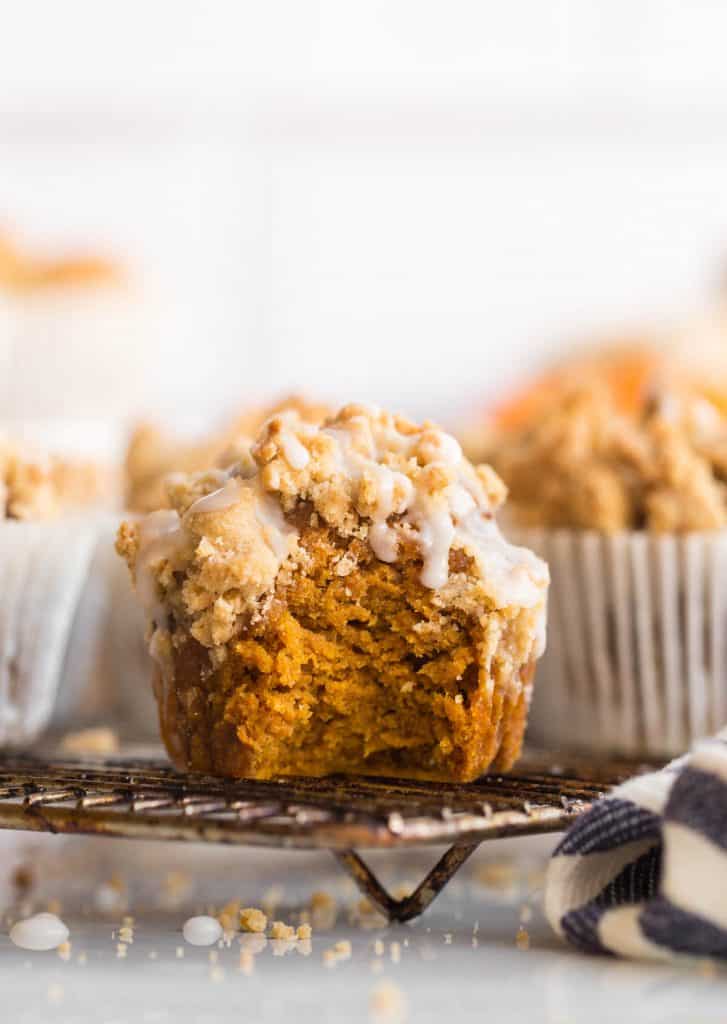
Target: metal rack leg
(416,903)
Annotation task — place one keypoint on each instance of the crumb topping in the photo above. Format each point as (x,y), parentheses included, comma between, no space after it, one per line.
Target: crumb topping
(585,465)
(34,486)
(213,559)
(154,455)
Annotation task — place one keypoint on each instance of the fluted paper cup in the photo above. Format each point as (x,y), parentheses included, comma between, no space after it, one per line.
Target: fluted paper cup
(43,572)
(636,660)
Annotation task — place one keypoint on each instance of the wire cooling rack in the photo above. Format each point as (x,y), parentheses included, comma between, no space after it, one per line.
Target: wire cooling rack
(144,798)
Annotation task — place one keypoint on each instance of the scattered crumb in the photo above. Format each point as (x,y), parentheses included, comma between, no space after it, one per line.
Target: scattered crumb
(101,741)
(304,932)
(126,934)
(280,930)
(522,939)
(121,950)
(64,951)
(229,917)
(387,1002)
(253,920)
(343,949)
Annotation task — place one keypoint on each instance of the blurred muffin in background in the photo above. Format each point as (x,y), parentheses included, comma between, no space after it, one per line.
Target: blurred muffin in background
(617,472)
(53,513)
(73,334)
(36,485)
(626,371)
(153,453)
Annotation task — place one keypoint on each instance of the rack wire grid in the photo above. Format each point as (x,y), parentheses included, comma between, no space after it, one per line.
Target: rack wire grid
(145,798)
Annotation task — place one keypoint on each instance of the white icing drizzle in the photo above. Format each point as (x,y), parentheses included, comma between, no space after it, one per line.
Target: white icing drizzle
(217,501)
(295,453)
(160,538)
(458,515)
(277,531)
(414,484)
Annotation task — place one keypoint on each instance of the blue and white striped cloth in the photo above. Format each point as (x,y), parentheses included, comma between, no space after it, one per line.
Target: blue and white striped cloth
(644,872)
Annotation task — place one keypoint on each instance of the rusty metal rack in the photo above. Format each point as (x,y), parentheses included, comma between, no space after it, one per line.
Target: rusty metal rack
(145,798)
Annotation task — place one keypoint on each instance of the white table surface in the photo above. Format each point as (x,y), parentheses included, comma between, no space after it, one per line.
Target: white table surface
(459,962)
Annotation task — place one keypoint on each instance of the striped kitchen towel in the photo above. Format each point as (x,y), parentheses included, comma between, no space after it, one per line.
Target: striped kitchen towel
(643,873)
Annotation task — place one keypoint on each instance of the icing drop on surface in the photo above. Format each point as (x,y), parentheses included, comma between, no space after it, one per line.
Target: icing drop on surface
(39,933)
(202,931)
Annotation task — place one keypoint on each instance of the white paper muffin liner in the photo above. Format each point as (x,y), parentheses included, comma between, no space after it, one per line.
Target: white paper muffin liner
(636,661)
(43,571)
(72,649)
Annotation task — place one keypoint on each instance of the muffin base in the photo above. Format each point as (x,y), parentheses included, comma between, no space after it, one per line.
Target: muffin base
(355,668)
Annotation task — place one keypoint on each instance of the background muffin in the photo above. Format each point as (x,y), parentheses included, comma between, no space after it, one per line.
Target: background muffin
(627,501)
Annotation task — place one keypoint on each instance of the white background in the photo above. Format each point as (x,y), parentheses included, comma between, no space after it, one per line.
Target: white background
(404,201)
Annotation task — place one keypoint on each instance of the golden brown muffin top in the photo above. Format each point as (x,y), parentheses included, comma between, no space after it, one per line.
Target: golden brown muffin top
(585,464)
(213,559)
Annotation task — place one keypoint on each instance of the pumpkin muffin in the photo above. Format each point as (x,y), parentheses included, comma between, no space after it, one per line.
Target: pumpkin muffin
(629,507)
(341,600)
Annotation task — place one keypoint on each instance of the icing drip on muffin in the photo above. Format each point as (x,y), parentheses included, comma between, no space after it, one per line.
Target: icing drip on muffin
(366,474)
